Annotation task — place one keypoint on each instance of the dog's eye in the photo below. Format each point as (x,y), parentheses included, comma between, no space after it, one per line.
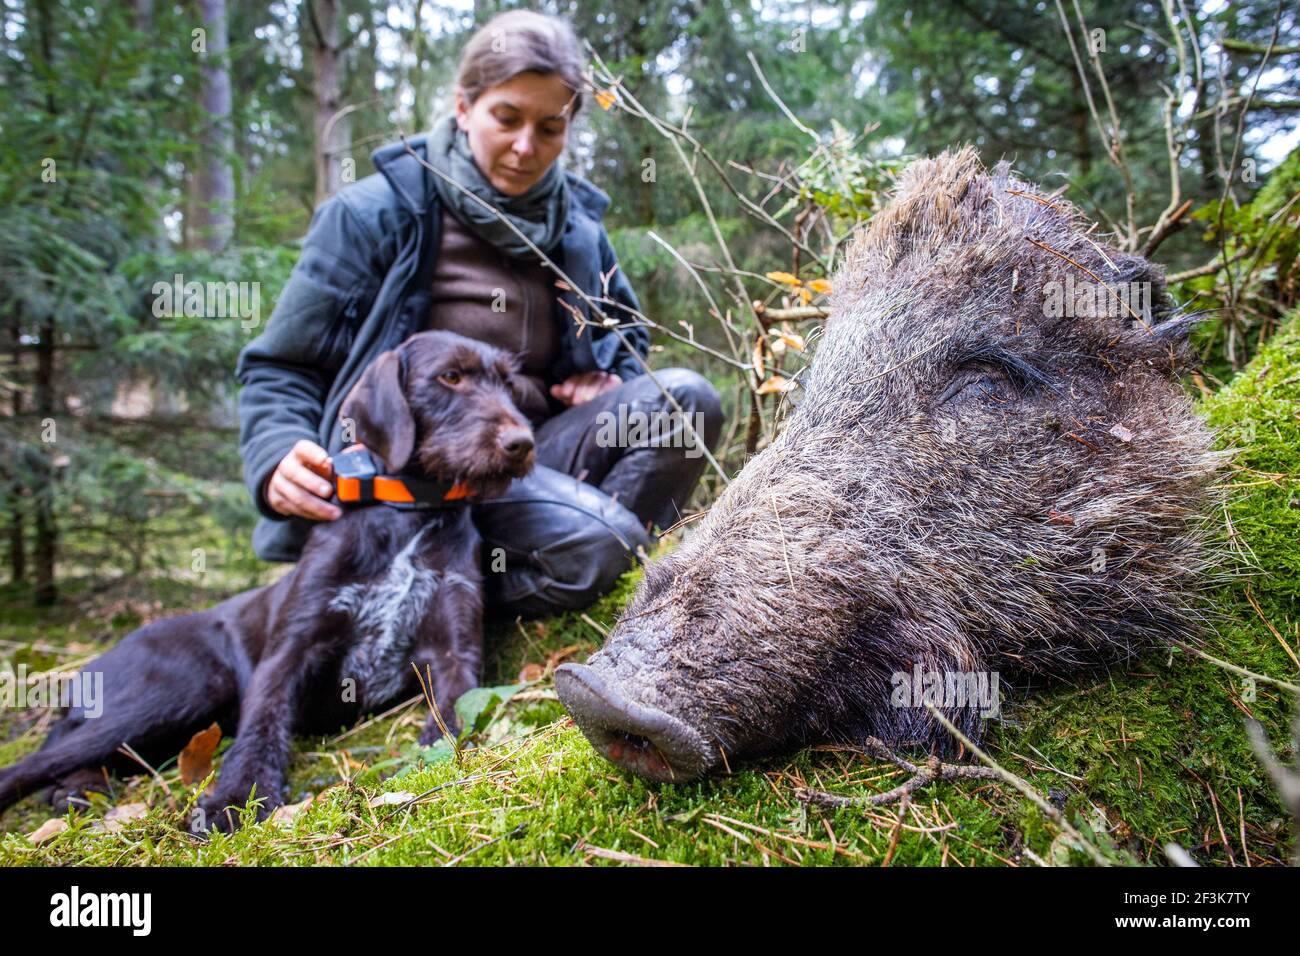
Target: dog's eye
(450,377)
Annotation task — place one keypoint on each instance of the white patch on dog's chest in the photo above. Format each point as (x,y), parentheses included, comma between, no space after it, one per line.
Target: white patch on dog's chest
(387,614)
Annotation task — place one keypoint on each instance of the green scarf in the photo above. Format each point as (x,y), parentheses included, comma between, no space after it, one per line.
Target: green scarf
(539,213)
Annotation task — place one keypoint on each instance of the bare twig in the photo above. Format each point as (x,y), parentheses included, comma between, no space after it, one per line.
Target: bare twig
(672,133)
(1286,780)
(1111,139)
(804,313)
(922,775)
(1053,814)
(1285,685)
(1214,265)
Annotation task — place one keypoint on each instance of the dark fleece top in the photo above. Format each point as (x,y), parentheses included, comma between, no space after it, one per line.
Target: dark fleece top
(481,293)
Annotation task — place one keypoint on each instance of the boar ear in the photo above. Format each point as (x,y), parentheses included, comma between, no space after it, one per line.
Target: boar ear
(1176,329)
(1161,331)
(377,404)
(1165,343)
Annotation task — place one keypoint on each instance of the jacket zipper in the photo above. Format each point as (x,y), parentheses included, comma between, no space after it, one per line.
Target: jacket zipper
(344,328)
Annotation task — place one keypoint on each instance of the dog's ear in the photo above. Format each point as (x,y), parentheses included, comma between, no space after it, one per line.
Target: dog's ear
(377,404)
(527,395)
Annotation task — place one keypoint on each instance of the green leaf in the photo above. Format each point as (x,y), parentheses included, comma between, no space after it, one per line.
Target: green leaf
(416,757)
(476,707)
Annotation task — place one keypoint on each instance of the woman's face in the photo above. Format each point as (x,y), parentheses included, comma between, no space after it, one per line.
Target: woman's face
(516,129)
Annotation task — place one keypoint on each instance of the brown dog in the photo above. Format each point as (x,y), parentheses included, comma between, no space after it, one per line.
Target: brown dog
(376,591)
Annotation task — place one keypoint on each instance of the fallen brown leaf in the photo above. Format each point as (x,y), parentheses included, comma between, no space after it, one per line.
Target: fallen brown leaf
(284,815)
(531,672)
(115,818)
(553,660)
(47,831)
(196,759)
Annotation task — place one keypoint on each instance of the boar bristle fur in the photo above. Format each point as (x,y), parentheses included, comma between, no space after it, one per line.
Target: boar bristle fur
(971,483)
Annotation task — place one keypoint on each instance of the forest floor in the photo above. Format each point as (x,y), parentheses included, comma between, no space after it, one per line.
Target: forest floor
(1136,760)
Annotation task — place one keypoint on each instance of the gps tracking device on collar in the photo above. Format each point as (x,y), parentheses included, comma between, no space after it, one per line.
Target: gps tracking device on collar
(358,482)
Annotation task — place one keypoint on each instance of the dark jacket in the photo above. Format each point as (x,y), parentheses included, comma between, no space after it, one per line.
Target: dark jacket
(360,287)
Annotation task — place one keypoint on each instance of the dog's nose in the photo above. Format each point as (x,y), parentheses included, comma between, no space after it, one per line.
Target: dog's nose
(516,442)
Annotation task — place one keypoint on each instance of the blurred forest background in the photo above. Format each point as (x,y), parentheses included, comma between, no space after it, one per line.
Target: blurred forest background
(142,140)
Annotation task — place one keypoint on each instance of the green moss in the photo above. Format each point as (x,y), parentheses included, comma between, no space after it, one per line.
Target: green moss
(1136,759)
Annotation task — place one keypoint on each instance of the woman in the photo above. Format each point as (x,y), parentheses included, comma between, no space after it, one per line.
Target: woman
(405,250)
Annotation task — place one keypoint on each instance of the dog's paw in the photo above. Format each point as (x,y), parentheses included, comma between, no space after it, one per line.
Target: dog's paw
(209,815)
(70,791)
(432,733)
(224,812)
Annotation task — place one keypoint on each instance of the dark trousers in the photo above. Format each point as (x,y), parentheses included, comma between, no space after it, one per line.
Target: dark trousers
(607,472)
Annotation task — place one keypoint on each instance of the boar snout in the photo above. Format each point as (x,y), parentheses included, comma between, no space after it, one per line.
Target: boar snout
(646,741)
(979,487)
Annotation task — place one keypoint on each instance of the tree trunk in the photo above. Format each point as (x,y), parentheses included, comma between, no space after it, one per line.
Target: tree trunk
(419,112)
(46,528)
(46,543)
(17,543)
(157,242)
(333,132)
(639,46)
(1081,120)
(17,532)
(1209,184)
(214,212)
(143,15)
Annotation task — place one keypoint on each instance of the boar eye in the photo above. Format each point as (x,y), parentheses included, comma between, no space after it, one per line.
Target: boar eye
(982,386)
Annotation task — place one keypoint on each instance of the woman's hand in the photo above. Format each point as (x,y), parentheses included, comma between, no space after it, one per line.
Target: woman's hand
(577,389)
(299,485)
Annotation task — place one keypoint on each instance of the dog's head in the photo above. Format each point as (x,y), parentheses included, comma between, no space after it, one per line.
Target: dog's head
(447,407)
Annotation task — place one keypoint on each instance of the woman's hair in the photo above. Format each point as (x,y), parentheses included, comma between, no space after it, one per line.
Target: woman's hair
(520,41)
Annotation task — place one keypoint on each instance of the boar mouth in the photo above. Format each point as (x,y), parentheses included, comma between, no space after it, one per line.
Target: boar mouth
(646,741)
